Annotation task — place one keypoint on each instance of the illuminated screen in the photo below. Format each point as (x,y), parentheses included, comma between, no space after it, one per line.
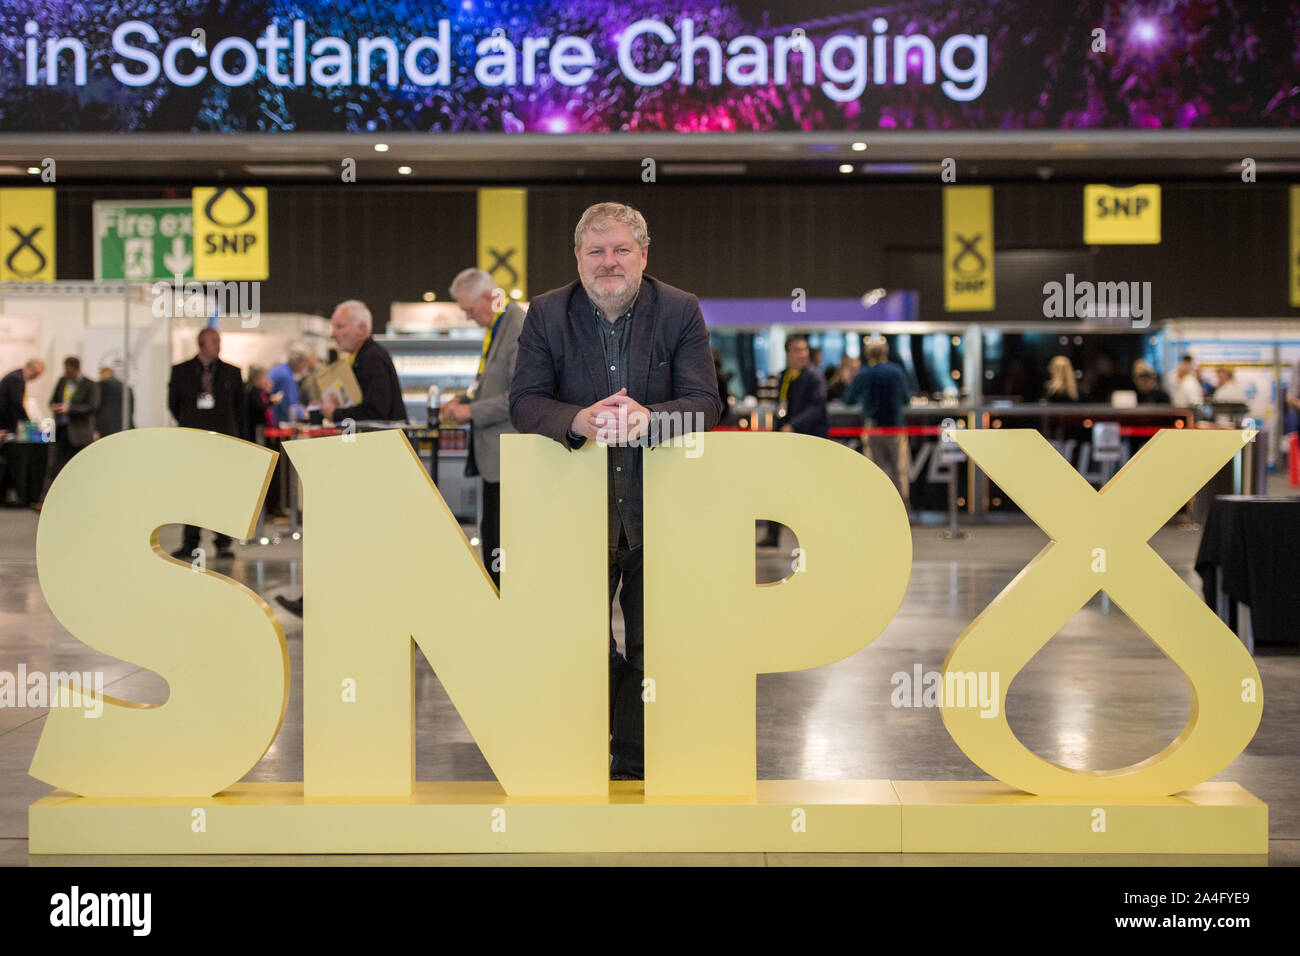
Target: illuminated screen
(586,66)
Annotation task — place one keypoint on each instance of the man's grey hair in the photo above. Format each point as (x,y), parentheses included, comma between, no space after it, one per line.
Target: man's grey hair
(357,310)
(473,282)
(598,217)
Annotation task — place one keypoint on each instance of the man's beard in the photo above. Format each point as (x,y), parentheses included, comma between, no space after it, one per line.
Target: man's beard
(612,305)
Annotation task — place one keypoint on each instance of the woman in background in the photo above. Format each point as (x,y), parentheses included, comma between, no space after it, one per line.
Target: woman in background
(1061,384)
(260,415)
(260,404)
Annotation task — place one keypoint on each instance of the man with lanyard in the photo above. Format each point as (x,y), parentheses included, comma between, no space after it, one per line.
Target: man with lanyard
(74,404)
(801,406)
(206,393)
(486,404)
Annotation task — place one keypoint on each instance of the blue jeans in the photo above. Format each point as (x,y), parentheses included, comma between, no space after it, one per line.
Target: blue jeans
(626,712)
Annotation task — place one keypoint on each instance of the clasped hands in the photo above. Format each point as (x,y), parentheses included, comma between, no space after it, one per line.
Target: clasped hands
(454,411)
(616,420)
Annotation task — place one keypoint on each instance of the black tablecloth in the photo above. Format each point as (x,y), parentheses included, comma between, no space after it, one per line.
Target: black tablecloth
(1250,548)
(22,470)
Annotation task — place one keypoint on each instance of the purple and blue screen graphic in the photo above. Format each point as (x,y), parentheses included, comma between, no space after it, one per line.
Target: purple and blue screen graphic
(595,66)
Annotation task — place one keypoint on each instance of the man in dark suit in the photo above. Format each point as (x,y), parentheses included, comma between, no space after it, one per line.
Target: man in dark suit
(801,406)
(74,402)
(487,404)
(20,471)
(109,419)
(802,397)
(622,358)
(206,393)
(13,391)
(381,392)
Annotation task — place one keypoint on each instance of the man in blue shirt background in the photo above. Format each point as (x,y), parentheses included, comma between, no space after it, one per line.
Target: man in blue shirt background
(284,382)
(882,389)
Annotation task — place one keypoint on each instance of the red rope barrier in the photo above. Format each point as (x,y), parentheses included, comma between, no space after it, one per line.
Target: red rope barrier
(846,431)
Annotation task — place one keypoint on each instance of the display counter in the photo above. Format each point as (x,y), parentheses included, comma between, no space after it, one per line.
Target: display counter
(442,450)
(1070,428)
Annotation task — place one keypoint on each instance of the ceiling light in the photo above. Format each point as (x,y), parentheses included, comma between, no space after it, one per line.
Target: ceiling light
(846,168)
(381,147)
(859,147)
(403,170)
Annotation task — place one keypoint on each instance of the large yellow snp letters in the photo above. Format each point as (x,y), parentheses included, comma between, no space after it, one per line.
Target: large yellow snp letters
(387,569)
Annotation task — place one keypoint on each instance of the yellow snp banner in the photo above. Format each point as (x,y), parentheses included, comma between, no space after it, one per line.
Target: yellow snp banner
(230,232)
(1121,217)
(1293,271)
(503,238)
(968,249)
(26,235)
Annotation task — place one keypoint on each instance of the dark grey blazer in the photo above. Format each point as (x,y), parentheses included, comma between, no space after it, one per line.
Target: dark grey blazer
(490,409)
(83,404)
(108,420)
(560,368)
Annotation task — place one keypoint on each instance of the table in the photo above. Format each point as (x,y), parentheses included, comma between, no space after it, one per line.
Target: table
(22,468)
(415,434)
(1250,554)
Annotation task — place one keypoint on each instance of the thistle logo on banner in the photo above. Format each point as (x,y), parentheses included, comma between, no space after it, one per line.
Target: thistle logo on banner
(503,238)
(26,235)
(230,232)
(1121,217)
(1293,272)
(968,249)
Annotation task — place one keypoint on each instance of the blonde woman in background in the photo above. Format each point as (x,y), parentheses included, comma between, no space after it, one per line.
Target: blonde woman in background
(1061,385)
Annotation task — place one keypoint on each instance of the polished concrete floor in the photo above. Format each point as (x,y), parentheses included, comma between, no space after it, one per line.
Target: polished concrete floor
(1099,695)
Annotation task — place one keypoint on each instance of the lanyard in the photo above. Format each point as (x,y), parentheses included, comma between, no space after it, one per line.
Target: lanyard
(786,380)
(487,341)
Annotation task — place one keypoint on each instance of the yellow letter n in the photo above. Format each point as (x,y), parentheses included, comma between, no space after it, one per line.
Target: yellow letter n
(385,563)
